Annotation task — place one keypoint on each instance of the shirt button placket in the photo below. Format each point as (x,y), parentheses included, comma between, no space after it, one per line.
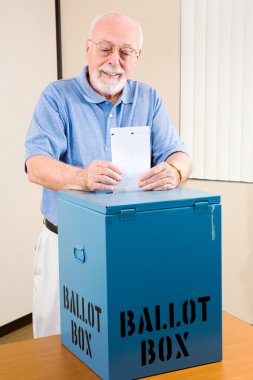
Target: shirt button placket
(110,124)
(111,120)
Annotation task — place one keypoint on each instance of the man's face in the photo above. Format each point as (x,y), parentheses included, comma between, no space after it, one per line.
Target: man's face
(112,54)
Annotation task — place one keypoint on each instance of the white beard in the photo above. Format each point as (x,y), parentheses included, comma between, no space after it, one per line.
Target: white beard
(108,85)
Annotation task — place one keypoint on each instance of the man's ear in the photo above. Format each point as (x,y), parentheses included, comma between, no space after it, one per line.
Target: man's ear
(87,45)
(139,54)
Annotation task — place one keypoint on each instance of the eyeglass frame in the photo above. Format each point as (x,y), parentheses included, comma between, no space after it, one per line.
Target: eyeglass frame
(136,52)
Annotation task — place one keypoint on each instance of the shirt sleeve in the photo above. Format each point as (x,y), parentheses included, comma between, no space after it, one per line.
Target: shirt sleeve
(164,137)
(46,133)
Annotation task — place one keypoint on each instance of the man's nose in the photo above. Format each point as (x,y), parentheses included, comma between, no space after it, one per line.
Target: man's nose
(114,57)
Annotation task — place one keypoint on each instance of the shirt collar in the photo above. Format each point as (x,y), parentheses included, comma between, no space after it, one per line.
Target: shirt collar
(93,97)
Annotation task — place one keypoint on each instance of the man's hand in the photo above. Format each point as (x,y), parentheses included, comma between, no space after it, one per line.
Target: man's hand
(160,177)
(101,175)
(57,175)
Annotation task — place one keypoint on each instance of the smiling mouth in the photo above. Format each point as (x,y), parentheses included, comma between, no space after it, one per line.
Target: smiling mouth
(111,74)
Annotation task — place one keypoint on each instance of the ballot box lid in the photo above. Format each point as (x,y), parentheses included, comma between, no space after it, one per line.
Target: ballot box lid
(113,203)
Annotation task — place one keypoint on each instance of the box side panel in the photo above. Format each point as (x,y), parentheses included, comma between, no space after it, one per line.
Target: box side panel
(164,291)
(83,300)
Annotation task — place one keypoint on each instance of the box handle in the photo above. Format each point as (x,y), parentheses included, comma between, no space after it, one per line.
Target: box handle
(79,254)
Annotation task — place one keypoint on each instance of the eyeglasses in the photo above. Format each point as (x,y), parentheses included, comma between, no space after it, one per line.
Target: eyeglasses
(105,49)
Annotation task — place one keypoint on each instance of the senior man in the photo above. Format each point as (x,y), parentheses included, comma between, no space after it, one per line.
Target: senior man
(68,143)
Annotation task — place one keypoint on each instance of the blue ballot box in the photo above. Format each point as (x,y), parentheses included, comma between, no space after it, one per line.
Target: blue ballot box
(140,280)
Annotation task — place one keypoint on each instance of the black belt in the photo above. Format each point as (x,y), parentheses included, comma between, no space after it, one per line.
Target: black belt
(50,226)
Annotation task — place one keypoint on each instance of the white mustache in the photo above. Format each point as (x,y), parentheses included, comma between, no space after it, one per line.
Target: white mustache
(112,71)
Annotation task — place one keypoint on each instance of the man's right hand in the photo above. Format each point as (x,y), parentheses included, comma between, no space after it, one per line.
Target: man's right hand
(101,175)
(57,175)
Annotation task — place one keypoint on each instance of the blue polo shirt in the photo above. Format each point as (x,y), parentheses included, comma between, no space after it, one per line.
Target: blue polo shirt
(72,122)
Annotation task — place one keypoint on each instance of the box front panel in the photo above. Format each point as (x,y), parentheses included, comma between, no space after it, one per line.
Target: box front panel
(164,290)
(82,261)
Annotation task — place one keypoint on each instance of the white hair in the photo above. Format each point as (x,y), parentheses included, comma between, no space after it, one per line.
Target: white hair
(99,18)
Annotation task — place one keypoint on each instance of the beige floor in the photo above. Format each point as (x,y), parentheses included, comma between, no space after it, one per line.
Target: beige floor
(23,333)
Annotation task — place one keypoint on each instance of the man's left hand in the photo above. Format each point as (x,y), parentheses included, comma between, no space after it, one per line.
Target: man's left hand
(160,177)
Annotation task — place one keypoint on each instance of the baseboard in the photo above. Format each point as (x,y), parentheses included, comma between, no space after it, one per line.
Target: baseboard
(15,325)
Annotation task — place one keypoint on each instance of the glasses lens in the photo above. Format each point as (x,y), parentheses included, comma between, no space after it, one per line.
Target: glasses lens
(126,53)
(105,48)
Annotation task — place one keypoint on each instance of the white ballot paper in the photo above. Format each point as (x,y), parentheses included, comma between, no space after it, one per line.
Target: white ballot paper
(131,151)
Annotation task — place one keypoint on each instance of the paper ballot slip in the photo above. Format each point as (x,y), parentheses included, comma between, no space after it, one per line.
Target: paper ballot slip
(131,151)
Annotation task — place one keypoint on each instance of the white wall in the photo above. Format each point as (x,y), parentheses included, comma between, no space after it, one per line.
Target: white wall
(237,244)
(160,66)
(28,63)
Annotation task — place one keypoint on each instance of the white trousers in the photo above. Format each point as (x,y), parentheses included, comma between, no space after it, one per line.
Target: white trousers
(46,302)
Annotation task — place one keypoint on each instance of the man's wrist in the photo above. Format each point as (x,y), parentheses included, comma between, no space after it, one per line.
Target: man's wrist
(82,179)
